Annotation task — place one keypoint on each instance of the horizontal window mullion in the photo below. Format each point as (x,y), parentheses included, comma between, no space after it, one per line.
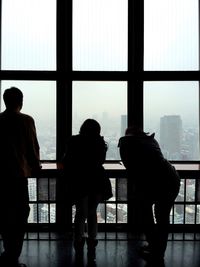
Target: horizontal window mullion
(170,75)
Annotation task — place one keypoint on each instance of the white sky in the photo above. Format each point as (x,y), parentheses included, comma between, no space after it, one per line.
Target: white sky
(100,43)
(100,34)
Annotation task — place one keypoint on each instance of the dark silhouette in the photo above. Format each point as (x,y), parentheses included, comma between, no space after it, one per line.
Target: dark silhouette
(153,186)
(19,159)
(86,183)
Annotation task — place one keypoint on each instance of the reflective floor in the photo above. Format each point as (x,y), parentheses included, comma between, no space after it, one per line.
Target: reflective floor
(110,253)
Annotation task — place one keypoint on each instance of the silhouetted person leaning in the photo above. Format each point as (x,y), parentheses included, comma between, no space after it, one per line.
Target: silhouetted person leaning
(19,159)
(153,185)
(86,182)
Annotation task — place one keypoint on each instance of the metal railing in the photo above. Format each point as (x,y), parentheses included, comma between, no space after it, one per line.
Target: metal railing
(45,209)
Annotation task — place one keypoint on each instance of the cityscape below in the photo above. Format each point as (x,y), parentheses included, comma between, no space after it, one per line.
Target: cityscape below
(176,141)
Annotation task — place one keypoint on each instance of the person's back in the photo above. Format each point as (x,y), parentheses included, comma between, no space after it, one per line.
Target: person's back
(143,158)
(17,157)
(142,150)
(83,161)
(85,155)
(85,179)
(153,186)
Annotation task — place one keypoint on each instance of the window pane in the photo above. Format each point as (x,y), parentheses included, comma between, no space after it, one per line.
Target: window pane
(178,214)
(111,213)
(113,184)
(33,215)
(43,213)
(171,35)
(100,35)
(198,214)
(28,35)
(181,195)
(171,110)
(46,189)
(122,189)
(104,101)
(52,213)
(32,189)
(189,214)
(101,213)
(190,190)
(40,103)
(122,213)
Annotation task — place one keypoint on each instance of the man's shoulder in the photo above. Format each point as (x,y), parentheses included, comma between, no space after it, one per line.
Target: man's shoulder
(21,115)
(26,117)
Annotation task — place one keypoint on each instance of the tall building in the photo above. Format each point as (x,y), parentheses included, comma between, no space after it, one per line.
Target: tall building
(123,124)
(170,136)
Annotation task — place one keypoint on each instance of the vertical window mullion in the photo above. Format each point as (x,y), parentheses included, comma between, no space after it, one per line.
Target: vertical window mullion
(64,73)
(135,61)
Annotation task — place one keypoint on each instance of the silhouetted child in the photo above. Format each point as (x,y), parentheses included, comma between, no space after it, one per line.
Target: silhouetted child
(85,179)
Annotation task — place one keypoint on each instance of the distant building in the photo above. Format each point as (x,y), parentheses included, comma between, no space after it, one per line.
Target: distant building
(171,136)
(123,124)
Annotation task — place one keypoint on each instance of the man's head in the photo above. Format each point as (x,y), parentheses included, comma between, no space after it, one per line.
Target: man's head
(13,98)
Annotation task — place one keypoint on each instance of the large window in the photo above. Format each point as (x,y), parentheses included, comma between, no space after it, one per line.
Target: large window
(121,62)
(171,95)
(118,61)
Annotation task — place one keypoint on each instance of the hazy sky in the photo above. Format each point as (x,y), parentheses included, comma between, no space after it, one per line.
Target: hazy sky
(39,98)
(100,34)
(29,34)
(171,35)
(100,43)
(172,98)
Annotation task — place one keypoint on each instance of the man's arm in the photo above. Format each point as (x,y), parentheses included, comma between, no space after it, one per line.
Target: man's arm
(33,152)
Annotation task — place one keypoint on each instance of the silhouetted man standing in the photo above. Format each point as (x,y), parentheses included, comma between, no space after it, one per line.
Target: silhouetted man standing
(19,159)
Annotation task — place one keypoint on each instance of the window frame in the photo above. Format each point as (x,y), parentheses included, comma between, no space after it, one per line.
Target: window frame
(64,74)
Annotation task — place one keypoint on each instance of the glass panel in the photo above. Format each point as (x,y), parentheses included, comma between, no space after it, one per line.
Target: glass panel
(122,213)
(171,216)
(73,213)
(190,190)
(198,214)
(113,184)
(178,214)
(28,35)
(111,213)
(43,213)
(52,189)
(101,213)
(122,189)
(33,214)
(189,214)
(52,213)
(32,189)
(104,101)
(171,110)
(39,213)
(181,194)
(36,93)
(100,34)
(171,35)
(43,189)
